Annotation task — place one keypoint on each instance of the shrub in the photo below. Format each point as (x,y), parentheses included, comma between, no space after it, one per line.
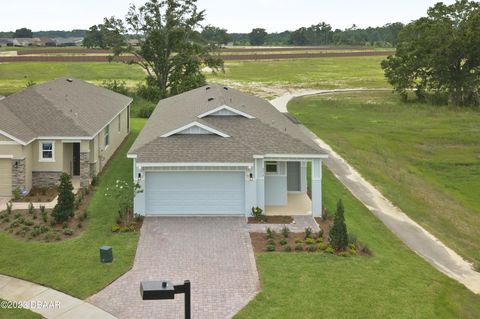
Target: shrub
(42,209)
(298,240)
(18,215)
(476,267)
(68,231)
(43,229)
(338,233)
(149,92)
(20,220)
(312,248)
(319,240)
(257,213)
(287,248)
(115,228)
(270,233)
(270,241)
(53,222)
(322,246)
(28,223)
(344,254)
(325,215)
(366,250)
(9,208)
(57,238)
(329,250)
(94,181)
(17,193)
(308,232)
(353,251)
(66,200)
(283,242)
(31,209)
(309,241)
(79,225)
(270,248)
(85,214)
(285,231)
(352,239)
(116,86)
(320,233)
(299,247)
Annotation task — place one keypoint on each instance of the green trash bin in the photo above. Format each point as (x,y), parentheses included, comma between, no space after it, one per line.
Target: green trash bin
(106,255)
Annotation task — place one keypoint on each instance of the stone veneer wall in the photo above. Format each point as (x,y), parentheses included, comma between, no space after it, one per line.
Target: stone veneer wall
(84,169)
(18,174)
(45,179)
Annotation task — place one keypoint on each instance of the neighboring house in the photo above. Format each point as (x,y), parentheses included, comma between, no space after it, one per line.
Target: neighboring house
(6,42)
(65,125)
(68,42)
(218,151)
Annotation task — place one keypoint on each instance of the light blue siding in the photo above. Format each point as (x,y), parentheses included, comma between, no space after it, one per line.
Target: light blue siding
(205,193)
(276,193)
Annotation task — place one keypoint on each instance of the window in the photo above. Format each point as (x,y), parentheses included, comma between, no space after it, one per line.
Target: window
(106,136)
(271,167)
(119,123)
(47,152)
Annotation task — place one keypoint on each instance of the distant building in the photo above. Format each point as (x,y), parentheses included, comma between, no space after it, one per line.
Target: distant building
(134,42)
(5,42)
(23,42)
(68,42)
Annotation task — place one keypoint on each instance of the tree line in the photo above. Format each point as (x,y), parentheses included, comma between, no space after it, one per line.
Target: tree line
(28,33)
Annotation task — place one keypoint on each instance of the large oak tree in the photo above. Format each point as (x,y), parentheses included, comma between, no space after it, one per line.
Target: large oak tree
(438,56)
(171,50)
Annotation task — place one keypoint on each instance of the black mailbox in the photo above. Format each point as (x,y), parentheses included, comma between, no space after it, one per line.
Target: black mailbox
(157,290)
(106,255)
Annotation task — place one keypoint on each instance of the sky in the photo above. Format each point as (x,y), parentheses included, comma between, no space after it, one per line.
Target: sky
(233,15)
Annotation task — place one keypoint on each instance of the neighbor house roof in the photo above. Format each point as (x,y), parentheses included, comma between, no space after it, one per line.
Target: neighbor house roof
(258,129)
(64,107)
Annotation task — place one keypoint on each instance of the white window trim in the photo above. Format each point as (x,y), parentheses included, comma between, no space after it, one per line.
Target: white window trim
(277,172)
(40,152)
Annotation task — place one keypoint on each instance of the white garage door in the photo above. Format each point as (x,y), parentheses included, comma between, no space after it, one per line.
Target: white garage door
(5,177)
(191,193)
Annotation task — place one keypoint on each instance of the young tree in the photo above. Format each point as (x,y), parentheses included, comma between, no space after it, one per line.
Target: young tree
(215,35)
(171,51)
(66,200)
(338,233)
(258,36)
(438,55)
(94,38)
(23,33)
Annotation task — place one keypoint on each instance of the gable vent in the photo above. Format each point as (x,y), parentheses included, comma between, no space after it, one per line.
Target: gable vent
(207,88)
(225,88)
(211,99)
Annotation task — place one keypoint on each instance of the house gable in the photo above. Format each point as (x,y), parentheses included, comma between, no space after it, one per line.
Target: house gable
(225,110)
(195,128)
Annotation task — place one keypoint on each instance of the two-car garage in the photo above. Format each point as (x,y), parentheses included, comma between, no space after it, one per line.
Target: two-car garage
(195,193)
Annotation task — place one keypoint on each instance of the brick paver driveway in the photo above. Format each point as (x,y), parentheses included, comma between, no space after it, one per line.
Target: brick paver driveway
(214,253)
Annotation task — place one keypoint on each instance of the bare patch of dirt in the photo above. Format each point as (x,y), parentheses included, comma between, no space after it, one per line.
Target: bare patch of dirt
(38,195)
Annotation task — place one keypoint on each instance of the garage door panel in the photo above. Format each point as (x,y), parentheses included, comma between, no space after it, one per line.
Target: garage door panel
(195,193)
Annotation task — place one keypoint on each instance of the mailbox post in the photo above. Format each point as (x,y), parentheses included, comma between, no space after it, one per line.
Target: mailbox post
(163,290)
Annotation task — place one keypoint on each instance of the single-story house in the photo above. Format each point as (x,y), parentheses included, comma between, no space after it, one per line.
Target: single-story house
(23,42)
(6,42)
(218,151)
(65,125)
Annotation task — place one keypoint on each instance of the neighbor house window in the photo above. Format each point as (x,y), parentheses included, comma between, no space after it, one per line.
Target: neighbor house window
(106,135)
(47,151)
(271,167)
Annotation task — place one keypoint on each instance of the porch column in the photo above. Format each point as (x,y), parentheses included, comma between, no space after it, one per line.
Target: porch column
(317,188)
(260,179)
(84,169)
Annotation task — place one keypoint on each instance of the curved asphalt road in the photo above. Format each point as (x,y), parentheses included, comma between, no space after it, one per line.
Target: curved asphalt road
(412,234)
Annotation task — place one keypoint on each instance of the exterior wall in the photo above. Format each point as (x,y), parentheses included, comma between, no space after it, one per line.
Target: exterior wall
(54,166)
(276,193)
(18,174)
(45,179)
(21,177)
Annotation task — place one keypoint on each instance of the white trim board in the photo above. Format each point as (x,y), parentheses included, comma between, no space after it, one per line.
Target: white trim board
(193,164)
(200,125)
(228,108)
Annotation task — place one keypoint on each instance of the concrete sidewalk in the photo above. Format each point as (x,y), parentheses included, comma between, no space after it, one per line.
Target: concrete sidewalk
(412,234)
(56,305)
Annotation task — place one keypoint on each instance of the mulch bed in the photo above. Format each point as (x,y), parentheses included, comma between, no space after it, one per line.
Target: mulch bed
(297,242)
(271,220)
(38,195)
(22,224)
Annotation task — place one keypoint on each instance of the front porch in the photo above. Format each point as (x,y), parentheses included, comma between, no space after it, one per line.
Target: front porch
(298,205)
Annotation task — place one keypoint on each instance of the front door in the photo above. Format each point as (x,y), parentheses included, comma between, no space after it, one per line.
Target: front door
(76,159)
(293,176)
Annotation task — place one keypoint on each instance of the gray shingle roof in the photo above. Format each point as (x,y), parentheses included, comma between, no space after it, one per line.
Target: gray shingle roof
(270,132)
(60,108)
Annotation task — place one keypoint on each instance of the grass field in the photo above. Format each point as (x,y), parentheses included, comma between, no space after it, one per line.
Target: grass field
(18,314)
(15,75)
(325,73)
(73,266)
(425,159)
(394,283)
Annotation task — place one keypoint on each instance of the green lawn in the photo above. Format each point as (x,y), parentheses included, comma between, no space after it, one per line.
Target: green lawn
(425,159)
(394,283)
(14,75)
(325,73)
(73,266)
(18,314)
